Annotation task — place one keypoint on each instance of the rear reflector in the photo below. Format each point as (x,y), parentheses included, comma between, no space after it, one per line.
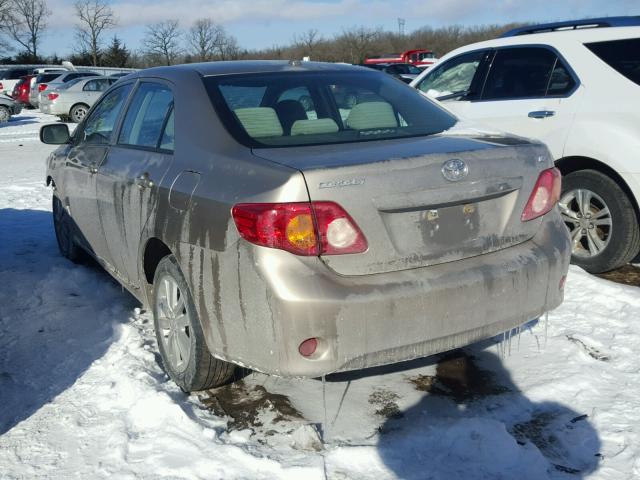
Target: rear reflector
(302,228)
(544,196)
(308,347)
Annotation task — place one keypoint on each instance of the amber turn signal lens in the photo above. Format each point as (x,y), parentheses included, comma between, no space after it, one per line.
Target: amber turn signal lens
(301,232)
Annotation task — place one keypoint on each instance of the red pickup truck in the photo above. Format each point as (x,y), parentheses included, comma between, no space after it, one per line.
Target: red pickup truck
(418,57)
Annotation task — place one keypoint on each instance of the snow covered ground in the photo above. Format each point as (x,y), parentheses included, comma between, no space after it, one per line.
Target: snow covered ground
(82,393)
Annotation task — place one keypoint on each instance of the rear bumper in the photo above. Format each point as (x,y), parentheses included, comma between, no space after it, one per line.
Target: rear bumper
(377,319)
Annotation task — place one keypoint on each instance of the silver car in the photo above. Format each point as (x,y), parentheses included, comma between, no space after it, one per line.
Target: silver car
(73,100)
(8,107)
(50,80)
(300,241)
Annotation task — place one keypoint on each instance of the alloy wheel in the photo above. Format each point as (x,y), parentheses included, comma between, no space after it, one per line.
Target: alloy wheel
(589,221)
(174,322)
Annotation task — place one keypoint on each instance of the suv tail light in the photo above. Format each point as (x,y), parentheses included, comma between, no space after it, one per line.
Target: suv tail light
(1,86)
(545,195)
(311,229)
(53,96)
(42,87)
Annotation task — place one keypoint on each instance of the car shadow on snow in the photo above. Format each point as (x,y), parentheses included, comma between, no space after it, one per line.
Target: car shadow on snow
(474,422)
(49,332)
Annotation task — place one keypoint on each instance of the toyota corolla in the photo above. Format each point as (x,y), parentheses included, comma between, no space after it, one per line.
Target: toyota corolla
(304,239)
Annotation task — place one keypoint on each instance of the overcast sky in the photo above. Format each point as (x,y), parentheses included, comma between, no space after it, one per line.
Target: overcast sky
(263,23)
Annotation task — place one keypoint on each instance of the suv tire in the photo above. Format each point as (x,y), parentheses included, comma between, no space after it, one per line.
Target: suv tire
(621,237)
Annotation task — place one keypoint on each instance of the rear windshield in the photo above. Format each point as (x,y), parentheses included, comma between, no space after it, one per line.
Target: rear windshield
(621,55)
(47,77)
(318,108)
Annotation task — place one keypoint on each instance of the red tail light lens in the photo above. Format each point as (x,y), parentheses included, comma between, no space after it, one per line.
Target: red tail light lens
(42,87)
(316,228)
(545,195)
(53,96)
(1,86)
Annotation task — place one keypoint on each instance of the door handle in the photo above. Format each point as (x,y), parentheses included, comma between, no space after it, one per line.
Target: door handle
(542,114)
(143,181)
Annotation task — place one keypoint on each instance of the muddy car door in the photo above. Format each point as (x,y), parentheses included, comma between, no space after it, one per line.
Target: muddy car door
(90,146)
(129,178)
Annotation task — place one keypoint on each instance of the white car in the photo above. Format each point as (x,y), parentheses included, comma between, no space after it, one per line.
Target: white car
(576,87)
(74,99)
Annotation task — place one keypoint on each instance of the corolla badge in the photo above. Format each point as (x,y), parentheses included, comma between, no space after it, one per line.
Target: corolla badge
(454,170)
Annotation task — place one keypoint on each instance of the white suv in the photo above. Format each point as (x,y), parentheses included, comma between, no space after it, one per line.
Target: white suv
(575,87)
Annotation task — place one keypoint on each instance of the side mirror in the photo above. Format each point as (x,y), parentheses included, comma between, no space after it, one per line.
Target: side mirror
(56,134)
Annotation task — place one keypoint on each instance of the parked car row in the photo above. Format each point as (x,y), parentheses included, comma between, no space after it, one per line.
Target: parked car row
(41,88)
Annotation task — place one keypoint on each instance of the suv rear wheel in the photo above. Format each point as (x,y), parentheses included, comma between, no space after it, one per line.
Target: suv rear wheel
(601,220)
(184,351)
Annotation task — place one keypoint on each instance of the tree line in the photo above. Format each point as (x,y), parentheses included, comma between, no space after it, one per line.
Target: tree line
(24,23)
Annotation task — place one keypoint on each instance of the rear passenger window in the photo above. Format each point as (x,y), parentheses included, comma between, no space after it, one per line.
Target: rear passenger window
(96,85)
(528,72)
(621,55)
(145,119)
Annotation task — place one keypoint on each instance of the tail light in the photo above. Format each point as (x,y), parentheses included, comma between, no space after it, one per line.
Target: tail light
(545,195)
(52,96)
(316,228)
(1,87)
(42,87)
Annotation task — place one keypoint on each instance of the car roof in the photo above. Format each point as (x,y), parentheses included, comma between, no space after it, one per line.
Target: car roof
(248,66)
(584,35)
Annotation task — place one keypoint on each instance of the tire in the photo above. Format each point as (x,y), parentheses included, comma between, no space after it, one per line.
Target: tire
(78,112)
(185,355)
(5,114)
(64,228)
(612,237)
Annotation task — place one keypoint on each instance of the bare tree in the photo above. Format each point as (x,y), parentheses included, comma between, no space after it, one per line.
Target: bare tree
(203,38)
(358,42)
(307,41)
(162,40)
(228,48)
(94,17)
(5,9)
(25,22)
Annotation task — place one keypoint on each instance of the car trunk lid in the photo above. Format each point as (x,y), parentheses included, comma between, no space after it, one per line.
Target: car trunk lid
(411,215)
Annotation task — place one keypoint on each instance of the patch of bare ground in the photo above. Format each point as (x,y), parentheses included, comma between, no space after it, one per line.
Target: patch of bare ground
(458,377)
(244,404)
(627,275)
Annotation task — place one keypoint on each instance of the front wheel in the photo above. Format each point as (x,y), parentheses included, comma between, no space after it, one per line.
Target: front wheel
(184,351)
(601,221)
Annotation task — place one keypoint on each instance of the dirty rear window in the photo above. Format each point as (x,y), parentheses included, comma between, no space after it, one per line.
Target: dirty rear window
(317,108)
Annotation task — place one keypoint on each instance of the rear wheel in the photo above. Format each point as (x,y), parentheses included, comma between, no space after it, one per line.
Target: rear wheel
(185,355)
(601,220)
(78,112)
(5,114)
(64,228)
